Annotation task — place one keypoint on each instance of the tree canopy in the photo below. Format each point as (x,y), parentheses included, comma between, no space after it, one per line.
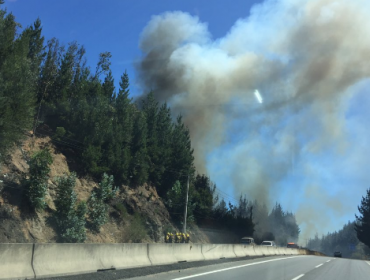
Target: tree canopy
(362,225)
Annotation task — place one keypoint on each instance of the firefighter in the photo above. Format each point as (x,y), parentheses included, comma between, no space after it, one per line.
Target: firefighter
(187,238)
(183,238)
(177,239)
(167,238)
(171,238)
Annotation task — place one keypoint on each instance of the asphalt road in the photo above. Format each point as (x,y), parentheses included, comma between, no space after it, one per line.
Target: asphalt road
(274,268)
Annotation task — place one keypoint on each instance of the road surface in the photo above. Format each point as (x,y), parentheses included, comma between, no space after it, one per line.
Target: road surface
(275,268)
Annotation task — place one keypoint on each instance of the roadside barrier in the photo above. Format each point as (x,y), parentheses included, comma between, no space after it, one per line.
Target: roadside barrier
(273,251)
(66,259)
(264,250)
(16,261)
(302,252)
(281,251)
(258,250)
(25,261)
(172,253)
(241,250)
(288,251)
(217,251)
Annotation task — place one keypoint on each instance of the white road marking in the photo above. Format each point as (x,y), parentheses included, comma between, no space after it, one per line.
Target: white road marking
(318,265)
(328,261)
(368,263)
(299,276)
(229,268)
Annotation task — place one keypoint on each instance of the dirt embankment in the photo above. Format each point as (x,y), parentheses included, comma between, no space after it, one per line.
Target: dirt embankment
(19,224)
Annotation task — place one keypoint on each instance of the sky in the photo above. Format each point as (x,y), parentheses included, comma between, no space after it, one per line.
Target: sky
(116,25)
(309,154)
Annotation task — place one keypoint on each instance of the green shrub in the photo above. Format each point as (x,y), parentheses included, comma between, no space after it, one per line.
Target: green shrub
(37,186)
(137,230)
(69,216)
(97,204)
(122,210)
(168,228)
(97,212)
(107,190)
(59,133)
(75,230)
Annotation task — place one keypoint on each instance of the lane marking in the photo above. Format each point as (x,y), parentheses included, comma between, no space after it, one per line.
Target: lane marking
(368,263)
(299,276)
(229,268)
(328,261)
(318,265)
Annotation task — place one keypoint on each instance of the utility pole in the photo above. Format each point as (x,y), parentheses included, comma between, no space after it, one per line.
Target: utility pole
(186,205)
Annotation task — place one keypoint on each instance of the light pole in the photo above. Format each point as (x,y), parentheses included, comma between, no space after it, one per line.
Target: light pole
(186,205)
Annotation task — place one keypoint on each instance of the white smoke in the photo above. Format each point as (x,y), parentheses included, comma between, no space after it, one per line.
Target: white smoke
(304,56)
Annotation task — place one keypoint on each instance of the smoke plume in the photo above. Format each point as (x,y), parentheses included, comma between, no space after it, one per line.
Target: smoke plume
(303,56)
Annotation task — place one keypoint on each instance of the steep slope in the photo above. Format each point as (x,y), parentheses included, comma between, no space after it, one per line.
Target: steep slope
(135,215)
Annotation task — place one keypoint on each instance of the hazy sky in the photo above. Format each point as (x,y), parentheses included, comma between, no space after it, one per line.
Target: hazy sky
(306,146)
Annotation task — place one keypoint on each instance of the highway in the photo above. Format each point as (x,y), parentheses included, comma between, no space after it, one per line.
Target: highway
(274,268)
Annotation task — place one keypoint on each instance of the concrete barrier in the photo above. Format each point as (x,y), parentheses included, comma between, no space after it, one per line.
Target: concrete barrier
(295,252)
(262,251)
(289,251)
(217,251)
(43,260)
(172,253)
(66,259)
(251,251)
(16,261)
(258,251)
(285,250)
(281,250)
(241,250)
(273,251)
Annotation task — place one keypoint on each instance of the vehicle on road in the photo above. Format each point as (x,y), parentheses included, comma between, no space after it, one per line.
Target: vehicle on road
(292,245)
(337,254)
(247,241)
(268,243)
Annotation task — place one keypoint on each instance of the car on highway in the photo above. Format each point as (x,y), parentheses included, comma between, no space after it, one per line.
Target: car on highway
(268,243)
(292,245)
(337,254)
(247,241)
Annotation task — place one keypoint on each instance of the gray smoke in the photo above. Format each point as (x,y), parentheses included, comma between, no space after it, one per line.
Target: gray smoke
(302,55)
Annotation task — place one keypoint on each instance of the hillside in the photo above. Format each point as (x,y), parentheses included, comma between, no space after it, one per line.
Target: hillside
(19,224)
(102,137)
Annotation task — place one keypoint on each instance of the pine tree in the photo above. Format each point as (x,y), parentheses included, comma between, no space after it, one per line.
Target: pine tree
(164,134)
(108,89)
(362,225)
(139,163)
(49,71)
(98,136)
(123,130)
(36,48)
(182,159)
(203,195)
(17,97)
(150,110)
(65,75)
